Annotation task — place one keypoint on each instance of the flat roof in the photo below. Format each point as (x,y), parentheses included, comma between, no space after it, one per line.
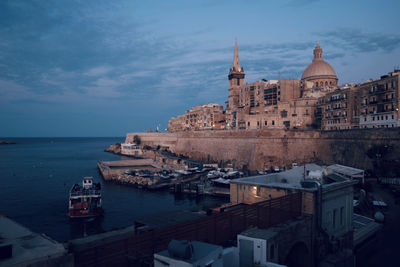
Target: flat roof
(346,170)
(200,251)
(259,233)
(288,179)
(364,227)
(293,178)
(27,247)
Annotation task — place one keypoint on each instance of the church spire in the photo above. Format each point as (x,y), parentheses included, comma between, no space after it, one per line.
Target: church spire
(236,62)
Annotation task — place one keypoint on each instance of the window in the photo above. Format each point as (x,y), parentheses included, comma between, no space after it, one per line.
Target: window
(273,122)
(248,123)
(334,219)
(283,113)
(286,123)
(238,82)
(265,123)
(341,215)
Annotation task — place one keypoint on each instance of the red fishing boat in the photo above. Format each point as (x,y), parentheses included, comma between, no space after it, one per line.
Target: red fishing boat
(85,199)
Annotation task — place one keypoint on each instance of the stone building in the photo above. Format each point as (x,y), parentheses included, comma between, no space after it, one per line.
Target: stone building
(313,102)
(379,102)
(204,117)
(282,103)
(326,196)
(319,74)
(338,109)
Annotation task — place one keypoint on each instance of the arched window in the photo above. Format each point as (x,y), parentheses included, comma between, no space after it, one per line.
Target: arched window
(330,83)
(316,84)
(326,84)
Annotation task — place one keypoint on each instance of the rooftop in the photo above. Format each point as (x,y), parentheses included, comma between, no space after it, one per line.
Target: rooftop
(200,251)
(293,178)
(364,227)
(27,247)
(345,170)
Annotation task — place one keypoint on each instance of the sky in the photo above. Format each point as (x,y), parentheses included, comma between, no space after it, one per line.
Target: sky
(105,68)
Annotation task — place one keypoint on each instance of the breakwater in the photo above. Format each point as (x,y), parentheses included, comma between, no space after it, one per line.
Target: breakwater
(262,149)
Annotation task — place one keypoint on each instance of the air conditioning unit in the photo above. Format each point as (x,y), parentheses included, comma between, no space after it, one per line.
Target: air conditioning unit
(253,248)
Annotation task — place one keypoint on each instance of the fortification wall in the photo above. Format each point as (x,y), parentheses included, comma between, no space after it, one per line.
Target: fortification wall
(154,139)
(261,149)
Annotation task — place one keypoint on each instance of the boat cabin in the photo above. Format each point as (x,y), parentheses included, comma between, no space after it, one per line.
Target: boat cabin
(87,182)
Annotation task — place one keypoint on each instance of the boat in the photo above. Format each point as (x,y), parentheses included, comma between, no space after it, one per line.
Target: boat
(85,199)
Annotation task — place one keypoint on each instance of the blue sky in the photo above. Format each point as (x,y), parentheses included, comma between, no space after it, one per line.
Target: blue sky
(105,68)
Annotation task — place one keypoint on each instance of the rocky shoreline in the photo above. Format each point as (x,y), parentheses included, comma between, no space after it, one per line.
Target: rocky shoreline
(5,142)
(116,149)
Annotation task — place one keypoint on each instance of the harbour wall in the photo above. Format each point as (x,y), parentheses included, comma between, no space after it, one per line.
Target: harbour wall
(262,149)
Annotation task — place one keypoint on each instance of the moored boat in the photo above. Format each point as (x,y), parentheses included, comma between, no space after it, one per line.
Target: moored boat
(85,199)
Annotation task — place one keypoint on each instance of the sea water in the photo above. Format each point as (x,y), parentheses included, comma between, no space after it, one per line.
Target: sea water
(36,175)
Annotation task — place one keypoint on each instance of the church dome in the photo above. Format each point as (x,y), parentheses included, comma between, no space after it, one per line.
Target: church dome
(318,69)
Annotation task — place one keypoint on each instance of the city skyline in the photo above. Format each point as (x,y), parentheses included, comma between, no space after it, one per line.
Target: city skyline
(105,69)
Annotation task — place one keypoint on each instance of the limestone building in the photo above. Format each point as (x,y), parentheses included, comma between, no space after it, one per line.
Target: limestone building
(326,195)
(319,74)
(338,109)
(204,117)
(282,103)
(313,102)
(379,102)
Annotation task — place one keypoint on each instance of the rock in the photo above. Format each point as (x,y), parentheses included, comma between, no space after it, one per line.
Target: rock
(4,142)
(116,149)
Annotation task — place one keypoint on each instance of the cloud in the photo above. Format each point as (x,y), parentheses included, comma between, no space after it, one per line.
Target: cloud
(10,91)
(98,71)
(358,40)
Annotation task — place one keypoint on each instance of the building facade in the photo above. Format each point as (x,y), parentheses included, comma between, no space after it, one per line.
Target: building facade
(326,195)
(204,117)
(313,102)
(379,102)
(338,109)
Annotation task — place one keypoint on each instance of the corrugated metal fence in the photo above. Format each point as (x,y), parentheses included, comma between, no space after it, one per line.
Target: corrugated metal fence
(219,228)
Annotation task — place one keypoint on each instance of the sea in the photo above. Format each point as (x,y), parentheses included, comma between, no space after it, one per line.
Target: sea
(36,175)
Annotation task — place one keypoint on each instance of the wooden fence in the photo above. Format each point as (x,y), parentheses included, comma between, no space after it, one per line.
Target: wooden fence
(219,228)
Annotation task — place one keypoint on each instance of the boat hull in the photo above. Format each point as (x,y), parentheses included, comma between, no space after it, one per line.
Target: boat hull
(82,213)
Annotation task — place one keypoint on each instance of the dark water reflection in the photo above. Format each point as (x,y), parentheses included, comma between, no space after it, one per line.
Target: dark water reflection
(36,175)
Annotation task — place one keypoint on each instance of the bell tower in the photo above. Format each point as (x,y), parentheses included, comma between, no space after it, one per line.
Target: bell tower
(236,80)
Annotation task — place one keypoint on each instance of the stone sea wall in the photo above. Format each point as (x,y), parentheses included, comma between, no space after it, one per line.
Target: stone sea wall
(262,149)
